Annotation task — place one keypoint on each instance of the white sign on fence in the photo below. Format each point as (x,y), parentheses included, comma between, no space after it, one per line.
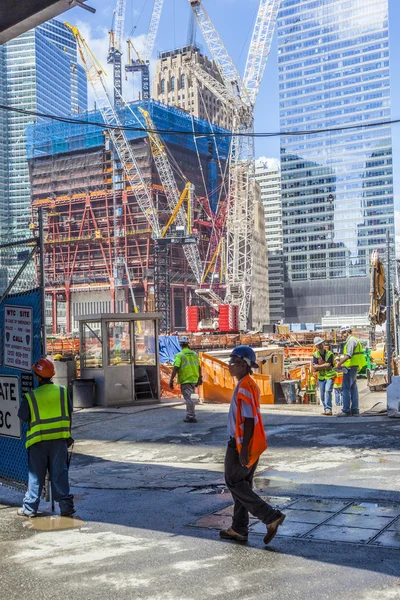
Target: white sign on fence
(18,337)
(10,425)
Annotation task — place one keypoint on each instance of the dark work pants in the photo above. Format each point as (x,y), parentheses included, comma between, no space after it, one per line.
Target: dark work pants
(51,455)
(240,483)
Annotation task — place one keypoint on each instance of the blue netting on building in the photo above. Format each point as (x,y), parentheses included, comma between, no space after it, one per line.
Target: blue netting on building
(46,139)
(13,455)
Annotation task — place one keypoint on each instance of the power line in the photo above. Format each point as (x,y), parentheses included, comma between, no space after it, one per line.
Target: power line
(221,134)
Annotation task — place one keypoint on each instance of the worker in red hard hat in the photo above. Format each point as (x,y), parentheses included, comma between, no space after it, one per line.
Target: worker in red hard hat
(246,444)
(47,409)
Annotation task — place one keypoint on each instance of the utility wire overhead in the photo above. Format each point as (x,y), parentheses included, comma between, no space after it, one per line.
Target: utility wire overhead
(226,134)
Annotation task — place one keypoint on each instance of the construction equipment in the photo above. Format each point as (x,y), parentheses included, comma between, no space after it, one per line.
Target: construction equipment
(141,63)
(377,309)
(115,47)
(240,95)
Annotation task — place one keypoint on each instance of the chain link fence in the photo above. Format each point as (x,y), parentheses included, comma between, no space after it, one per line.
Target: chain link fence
(21,345)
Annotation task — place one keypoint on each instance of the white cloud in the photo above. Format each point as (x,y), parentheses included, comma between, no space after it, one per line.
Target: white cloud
(98,41)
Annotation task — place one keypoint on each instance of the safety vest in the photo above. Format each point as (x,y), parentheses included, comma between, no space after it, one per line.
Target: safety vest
(188,364)
(249,392)
(338,381)
(358,358)
(49,414)
(327,373)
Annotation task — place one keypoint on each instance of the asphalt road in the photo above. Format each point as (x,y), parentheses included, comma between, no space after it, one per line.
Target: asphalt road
(143,480)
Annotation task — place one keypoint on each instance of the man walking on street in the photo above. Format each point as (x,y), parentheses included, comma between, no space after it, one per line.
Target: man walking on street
(187,366)
(352,362)
(47,410)
(246,444)
(323,365)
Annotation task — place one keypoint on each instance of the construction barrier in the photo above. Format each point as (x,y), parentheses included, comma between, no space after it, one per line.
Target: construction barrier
(218,384)
(299,352)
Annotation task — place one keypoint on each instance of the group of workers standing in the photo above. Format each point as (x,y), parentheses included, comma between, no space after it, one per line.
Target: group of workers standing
(48,412)
(340,377)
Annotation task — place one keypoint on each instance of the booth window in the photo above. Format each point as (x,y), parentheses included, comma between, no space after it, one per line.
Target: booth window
(145,343)
(119,343)
(92,352)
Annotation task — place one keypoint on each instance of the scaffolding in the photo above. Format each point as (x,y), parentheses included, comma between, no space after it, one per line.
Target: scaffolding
(96,238)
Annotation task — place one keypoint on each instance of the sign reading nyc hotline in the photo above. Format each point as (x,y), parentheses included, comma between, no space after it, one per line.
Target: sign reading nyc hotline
(18,337)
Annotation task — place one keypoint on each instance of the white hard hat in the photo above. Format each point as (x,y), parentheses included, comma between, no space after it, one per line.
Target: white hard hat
(345,328)
(184,339)
(318,341)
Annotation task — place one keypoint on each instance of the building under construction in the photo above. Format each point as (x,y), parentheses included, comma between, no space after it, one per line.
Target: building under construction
(99,249)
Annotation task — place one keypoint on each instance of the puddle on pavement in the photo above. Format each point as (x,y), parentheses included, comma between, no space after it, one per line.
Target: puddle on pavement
(53,523)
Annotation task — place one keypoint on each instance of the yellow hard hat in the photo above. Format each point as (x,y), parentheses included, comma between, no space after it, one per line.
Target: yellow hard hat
(57,357)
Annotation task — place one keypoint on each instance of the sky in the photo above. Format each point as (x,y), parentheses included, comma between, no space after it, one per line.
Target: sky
(234,21)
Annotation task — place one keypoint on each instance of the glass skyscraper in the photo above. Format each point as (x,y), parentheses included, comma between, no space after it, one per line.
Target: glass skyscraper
(337,186)
(41,75)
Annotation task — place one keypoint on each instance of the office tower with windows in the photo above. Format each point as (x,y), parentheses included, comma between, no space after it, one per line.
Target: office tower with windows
(337,185)
(42,75)
(268,175)
(175,85)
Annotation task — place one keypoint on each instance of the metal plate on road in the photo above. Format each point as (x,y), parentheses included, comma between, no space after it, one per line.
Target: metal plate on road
(10,425)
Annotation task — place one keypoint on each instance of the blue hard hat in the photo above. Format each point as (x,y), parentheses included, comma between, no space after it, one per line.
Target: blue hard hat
(248,355)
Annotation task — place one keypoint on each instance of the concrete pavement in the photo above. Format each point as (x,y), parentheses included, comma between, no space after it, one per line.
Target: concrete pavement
(150,491)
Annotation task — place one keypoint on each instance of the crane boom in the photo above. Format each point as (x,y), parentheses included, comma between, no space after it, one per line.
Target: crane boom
(260,46)
(153,29)
(170,188)
(241,198)
(95,77)
(115,48)
(229,73)
(119,24)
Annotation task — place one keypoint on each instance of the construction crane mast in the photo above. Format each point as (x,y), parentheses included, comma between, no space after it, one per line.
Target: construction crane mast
(241,96)
(115,47)
(140,189)
(142,63)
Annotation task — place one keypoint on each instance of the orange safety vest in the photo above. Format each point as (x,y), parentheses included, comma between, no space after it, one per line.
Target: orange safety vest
(338,381)
(249,392)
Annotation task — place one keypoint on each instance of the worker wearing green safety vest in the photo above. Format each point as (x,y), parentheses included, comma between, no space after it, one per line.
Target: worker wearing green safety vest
(187,366)
(352,362)
(323,365)
(47,410)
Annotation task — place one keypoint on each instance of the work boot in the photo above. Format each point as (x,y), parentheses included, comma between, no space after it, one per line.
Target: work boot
(230,534)
(272,528)
(22,513)
(190,420)
(343,414)
(327,413)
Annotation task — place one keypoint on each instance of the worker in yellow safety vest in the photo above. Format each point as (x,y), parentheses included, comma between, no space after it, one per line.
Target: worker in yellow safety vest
(351,363)
(187,366)
(323,365)
(47,410)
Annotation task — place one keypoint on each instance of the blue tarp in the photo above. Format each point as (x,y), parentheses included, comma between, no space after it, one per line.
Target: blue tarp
(169,346)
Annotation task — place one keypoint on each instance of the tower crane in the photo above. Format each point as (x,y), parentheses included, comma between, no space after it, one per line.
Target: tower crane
(142,63)
(241,94)
(115,47)
(188,240)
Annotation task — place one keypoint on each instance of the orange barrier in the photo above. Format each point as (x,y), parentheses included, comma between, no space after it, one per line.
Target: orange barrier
(218,385)
(165,376)
(301,352)
(301,374)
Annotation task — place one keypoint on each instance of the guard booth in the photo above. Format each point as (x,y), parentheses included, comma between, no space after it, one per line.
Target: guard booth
(120,352)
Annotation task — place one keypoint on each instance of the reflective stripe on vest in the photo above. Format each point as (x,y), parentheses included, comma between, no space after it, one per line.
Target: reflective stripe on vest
(327,373)
(50,419)
(358,359)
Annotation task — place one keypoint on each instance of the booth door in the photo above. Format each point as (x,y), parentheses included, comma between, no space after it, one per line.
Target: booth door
(119,366)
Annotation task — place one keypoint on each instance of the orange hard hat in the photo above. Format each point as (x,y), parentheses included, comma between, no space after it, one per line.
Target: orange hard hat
(44,368)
